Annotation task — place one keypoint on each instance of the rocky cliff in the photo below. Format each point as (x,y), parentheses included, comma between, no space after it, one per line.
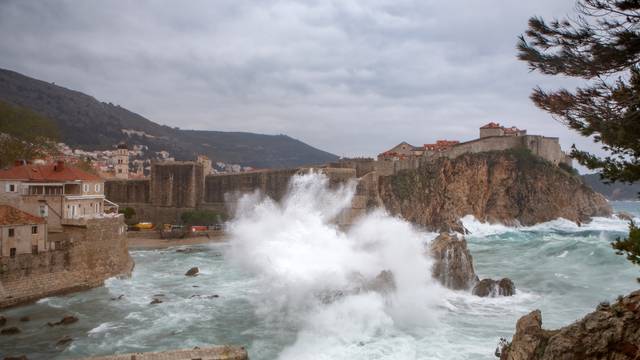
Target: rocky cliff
(507,187)
(612,332)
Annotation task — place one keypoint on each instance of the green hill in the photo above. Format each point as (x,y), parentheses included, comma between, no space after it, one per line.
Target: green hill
(89,124)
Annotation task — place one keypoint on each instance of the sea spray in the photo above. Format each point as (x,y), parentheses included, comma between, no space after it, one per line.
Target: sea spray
(313,273)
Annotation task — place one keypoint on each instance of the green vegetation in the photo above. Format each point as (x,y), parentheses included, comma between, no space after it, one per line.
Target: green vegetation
(24,134)
(600,46)
(129,214)
(201,217)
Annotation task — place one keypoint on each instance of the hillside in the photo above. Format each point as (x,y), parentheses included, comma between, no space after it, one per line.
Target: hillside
(89,124)
(615,191)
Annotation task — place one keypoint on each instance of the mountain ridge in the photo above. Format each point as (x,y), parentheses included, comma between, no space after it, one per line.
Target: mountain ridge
(78,115)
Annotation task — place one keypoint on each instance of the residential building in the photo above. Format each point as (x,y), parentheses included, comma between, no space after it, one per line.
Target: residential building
(21,232)
(58,192)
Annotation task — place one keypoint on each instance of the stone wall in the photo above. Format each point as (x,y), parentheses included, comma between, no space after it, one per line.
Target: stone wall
(176,184)
(271,183)
(87,254)
(127,191)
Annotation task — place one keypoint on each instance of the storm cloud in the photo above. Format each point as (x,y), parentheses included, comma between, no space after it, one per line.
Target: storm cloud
(350,77)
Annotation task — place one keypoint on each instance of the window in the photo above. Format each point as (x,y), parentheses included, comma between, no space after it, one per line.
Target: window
(97,187)
(10,188)
(12,232)
(44,210)
(119,171)
(85,187)
(12,252)
(34,229)
(57,244)
(34,249)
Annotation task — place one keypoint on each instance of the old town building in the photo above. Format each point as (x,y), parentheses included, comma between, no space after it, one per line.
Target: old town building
(21,232)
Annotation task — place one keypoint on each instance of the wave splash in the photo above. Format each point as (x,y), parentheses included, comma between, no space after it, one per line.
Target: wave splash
(300,256)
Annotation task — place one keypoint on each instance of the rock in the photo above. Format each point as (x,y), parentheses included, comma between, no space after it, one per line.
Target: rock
(505,187)
(117,298)
(3,320)
(25,319)
(383,283)
(155,301)
(623,215)
(65,340)
(66,320)
(611,332)
(453,265)
(10,331)
(192,272)
(22,357)
(493,288)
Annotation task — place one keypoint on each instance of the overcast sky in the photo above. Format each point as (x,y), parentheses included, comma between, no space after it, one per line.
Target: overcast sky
(349,77)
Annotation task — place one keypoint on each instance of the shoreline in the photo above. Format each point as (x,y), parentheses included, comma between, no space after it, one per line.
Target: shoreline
(158,243)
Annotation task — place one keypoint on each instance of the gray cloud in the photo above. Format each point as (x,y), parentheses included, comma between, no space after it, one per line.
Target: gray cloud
(351,77)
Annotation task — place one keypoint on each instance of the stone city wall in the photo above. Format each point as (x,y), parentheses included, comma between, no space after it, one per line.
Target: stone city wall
(86,254)
(127,191)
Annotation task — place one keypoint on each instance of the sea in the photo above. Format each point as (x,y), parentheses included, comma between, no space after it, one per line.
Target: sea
(286,285)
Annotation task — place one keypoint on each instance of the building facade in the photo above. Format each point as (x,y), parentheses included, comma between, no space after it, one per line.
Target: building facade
(121,166)
(21,233)
(57,192)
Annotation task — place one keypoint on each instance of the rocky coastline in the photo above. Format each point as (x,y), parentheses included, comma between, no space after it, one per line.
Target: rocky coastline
(510,187)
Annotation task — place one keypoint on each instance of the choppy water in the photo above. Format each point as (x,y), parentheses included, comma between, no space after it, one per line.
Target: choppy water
(282,257)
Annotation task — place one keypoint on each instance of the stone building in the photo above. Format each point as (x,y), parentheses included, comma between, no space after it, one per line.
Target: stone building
(122,162)
(207,167)
(401,151)
(495,129)
(57,192)
(21,232)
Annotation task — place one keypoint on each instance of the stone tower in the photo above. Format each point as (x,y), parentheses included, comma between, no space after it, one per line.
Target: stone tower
(122,161)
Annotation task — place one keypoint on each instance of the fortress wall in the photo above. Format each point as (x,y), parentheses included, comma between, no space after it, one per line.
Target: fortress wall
(495,143)
(362,166)
(271,183)
(546,147)
(127,191)
(176,184)
(88,255)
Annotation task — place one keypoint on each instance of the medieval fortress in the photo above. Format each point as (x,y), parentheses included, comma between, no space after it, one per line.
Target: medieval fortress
(178,186)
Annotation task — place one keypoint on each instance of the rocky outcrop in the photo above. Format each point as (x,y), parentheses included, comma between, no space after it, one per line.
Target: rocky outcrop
(508,187)
(612,332)
(194,271)
(453,266)
(493,288)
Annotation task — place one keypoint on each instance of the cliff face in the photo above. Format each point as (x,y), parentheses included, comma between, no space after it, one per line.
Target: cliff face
(611,332)
(503,186)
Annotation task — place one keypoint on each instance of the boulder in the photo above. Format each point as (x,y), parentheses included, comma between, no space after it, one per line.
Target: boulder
(10,331)
(155,301)
(64,341)
(611,332)
(453,265)
(623,215)
(192,272)
(493,288)
(383,283)
(66,320)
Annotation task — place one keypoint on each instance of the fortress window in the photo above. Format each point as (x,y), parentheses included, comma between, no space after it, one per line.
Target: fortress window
(12,252)
(34,229)
(12,232)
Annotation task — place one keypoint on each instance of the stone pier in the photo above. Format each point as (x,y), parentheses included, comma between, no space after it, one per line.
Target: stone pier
(206,353)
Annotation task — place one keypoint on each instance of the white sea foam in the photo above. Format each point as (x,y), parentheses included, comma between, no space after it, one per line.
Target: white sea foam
(299,253)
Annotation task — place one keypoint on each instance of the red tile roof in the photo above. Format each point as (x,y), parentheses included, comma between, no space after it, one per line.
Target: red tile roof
(12,216)
(492,125)
(47,173)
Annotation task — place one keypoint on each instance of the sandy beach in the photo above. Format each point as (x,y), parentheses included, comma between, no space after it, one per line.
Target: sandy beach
(157,243)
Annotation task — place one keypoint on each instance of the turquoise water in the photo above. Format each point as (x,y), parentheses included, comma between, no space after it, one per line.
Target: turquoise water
(557,267)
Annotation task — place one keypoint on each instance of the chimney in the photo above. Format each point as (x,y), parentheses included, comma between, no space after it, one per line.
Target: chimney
(59,166)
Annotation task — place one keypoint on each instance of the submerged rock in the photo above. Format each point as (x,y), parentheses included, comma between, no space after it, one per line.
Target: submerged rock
(453,265)
(493,288)
(25,319)
(3,320)
(192,272)
(611,332)
(64,341)
(623,215)
(10,331)
(66,320)
(22,357)
(155,301)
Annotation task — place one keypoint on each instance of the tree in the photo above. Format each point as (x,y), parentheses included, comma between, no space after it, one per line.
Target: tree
(25,134)
(600,46)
